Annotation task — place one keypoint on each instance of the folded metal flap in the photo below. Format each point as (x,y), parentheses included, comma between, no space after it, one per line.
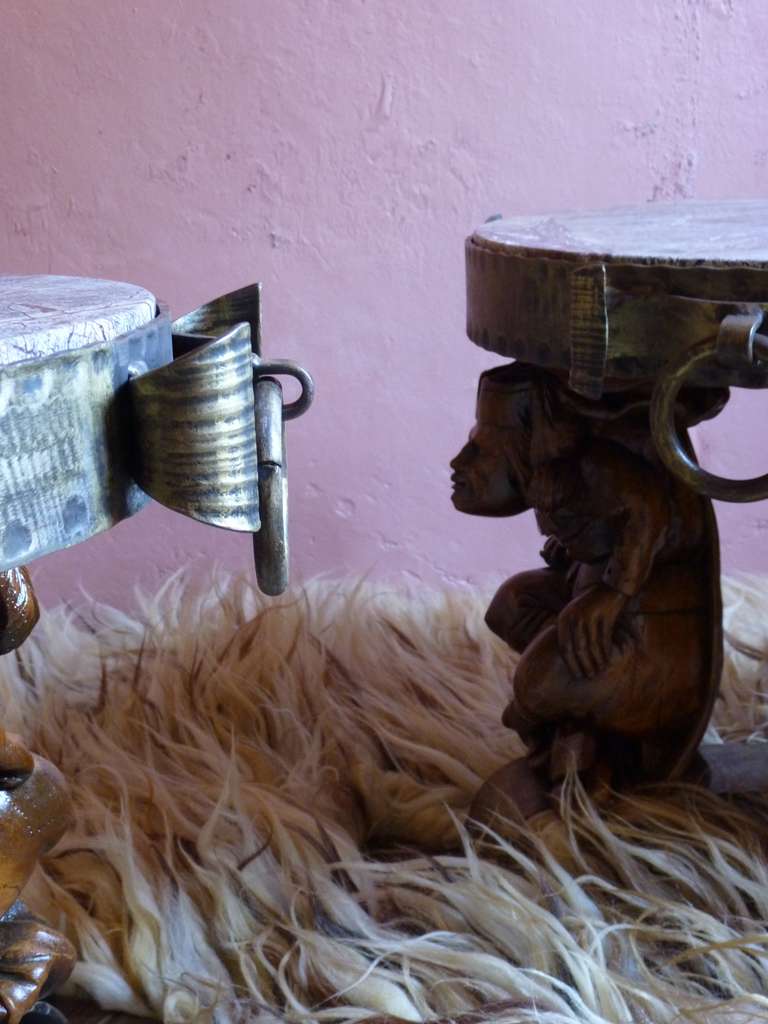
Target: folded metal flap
(195,432)
(219,315)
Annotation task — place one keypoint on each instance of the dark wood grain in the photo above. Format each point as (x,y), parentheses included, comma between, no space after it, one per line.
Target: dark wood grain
(619,632)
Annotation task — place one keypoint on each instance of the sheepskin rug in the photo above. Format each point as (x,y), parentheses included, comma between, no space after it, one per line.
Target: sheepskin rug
(270,799)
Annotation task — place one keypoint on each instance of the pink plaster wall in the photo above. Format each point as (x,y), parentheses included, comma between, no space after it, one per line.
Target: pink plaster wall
(340,150)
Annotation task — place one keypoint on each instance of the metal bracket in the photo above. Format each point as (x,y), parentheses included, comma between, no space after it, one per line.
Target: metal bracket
(240,312)
(270,544)
(737,345)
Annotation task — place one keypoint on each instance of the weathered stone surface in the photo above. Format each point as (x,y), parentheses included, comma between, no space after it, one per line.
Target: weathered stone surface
(41,315)
(718,233)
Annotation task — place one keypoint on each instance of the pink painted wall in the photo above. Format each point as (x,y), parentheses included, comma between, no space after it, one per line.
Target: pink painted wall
(340,150)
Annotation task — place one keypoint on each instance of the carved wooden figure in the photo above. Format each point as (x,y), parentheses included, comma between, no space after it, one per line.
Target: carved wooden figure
(619,633)
(630,325)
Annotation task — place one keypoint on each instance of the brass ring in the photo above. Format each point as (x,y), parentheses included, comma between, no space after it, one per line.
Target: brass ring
(287,368)
(673,453)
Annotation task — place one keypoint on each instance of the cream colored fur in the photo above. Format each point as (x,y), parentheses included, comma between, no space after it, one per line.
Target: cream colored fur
(269,822)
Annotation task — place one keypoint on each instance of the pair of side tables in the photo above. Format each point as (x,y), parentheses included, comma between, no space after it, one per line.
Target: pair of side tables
(626,328)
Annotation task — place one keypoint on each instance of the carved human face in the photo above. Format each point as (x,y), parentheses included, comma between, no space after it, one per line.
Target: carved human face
(34,812)
(486,478)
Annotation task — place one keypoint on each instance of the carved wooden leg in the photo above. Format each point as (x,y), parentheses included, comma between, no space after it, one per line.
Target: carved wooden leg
(620,637)
(18,608)
(34,813)
(34,961)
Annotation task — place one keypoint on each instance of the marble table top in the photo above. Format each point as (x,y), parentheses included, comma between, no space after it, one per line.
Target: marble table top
(41,315)
(716,233)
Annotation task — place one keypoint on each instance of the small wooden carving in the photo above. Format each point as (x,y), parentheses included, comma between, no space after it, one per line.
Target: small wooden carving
(34,813)
(619,633)
(19,610)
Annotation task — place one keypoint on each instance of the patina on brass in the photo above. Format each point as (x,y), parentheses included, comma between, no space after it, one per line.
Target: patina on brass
(195,435)
(64,472)
(737,344)
(209,343)
(271,542)
(609,297)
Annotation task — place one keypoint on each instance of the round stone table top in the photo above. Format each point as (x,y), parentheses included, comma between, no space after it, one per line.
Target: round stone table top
(685,233)
(42,315)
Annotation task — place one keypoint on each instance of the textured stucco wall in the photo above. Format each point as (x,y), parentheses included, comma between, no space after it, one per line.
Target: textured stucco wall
(340,150)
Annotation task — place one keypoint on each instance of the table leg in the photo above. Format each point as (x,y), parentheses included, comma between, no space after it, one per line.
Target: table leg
(619,633)
(34,813)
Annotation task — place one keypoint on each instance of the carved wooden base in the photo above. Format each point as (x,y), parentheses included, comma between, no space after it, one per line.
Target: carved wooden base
(521,790)
(34,813)
(35,959)
(619,633)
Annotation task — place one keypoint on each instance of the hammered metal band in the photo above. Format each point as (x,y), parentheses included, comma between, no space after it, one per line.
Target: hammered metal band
(195,442)
(67,437)
(604,325)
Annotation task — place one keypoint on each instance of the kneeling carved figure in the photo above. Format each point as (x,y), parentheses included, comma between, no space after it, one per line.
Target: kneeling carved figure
(619,635)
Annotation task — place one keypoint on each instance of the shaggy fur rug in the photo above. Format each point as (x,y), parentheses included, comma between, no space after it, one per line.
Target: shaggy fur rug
(269,823)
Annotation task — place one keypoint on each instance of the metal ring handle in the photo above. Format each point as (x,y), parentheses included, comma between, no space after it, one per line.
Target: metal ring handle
(286,368)
(667,440)
(270,544)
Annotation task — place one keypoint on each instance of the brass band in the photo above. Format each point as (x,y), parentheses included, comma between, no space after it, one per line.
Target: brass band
(67,436)
(533,308)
